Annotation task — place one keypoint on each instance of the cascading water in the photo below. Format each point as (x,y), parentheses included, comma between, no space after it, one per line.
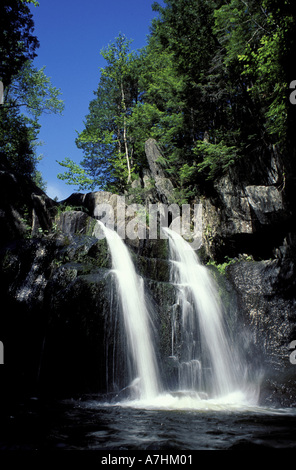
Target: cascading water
(137,320)
(208,368)
(205,362)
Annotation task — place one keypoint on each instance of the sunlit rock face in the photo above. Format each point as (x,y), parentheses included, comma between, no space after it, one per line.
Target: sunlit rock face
(250,209)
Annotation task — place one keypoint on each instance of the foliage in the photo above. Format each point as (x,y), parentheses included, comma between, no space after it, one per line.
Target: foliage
(31,90)
(211,87)
(17,136)
(17,41)
(215,158)
(257,35)
(221,267)
(265,65)
(28,91)
(76,175)
(109,157)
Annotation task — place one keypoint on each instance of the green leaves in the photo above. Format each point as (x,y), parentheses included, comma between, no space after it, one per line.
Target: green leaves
(255,36)
(216,158)
(17,41)
(213,67)
(34,2)
(75,175)
(32,89)
(108,146)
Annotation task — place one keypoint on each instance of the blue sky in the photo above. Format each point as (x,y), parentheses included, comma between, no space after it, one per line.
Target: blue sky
(72,33)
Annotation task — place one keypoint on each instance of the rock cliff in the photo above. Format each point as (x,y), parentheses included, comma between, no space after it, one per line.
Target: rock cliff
(249,210)
(56,279)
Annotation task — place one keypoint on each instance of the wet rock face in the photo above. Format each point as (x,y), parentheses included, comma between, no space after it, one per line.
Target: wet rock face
(59,315)
(266,202)
(56,287)
(267,306)
(246,211)
(24,207)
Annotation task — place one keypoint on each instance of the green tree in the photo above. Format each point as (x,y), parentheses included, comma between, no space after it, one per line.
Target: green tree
(119,71)
(268,65)
(185,29)
(241,27)
(29,94)
(232,56)
(211,87)
(27,91)
(31,90)
(159,112)
(257,40)
(109,157)
(18,44)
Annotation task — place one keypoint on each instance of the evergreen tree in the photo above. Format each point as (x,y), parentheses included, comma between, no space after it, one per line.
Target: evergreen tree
(211,87)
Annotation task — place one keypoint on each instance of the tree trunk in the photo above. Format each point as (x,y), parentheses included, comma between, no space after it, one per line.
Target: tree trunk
(125,136)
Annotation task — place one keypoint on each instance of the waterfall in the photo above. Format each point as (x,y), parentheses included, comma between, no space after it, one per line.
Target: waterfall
(208,365)
(137,321)
(205,361)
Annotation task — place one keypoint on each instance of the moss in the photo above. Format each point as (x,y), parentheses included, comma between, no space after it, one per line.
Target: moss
(163,297)
(158,248)
(221,267)
(90,224)
(99,254)
(153,268)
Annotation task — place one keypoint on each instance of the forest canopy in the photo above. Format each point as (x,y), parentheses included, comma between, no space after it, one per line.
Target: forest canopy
(211,86)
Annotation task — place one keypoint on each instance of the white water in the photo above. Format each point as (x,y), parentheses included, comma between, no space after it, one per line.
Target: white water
(203,328)
(136,317)
(209,376)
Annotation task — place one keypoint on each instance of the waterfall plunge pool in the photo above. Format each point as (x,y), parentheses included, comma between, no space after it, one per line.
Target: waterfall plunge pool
(90,423)
(160,419)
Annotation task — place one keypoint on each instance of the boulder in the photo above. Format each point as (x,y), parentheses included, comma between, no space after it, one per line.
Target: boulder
(74,222)
(25,208)
(266,202)
(241,212)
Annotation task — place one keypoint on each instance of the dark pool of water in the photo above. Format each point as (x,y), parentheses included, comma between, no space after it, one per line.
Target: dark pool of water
(86,425)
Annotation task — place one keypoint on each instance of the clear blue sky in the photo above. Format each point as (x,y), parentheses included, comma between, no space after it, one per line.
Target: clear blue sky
(72,33)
